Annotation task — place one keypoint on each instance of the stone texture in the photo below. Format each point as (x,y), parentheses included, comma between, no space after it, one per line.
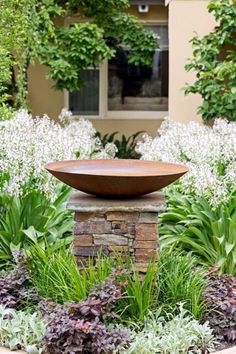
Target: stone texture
(145,255)
(79,216)
(88,251)
(130,233)
(227,351)
(118,249)
(83,240)
(148,218)
(110,239)
(82,202)
(145,244)
(130,229)
(141,267)
(90,227)
(130,217)
(119,227)
(146,232)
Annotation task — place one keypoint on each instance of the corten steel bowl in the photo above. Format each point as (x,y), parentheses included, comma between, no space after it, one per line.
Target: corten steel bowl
(116,178)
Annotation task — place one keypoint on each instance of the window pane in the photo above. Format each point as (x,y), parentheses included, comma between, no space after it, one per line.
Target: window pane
(162,32)
(86,100)
(140,88)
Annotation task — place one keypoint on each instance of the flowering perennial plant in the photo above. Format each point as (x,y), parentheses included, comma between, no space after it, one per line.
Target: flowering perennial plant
(26,144)
(210,154)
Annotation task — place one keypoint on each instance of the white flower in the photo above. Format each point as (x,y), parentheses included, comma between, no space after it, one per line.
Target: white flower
(26,144)
(64,115)
(210,154)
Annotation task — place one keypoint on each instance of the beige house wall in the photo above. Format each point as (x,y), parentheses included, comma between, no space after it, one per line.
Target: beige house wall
(42,98)
(186,17)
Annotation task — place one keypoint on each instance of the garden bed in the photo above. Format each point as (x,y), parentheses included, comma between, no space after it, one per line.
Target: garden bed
(47,302)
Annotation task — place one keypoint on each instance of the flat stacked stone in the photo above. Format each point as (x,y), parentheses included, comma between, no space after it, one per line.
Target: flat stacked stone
(124,227)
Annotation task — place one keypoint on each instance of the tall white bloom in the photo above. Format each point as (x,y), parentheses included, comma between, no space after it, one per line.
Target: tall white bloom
(27,143)
(210,154)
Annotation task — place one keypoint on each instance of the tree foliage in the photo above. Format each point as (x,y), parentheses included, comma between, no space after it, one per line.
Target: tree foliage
(32,29)
(214,61)
(25,27)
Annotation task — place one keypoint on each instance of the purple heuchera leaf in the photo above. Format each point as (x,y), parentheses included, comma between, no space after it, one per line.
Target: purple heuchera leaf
(221,298)
(77,328)
(15,286)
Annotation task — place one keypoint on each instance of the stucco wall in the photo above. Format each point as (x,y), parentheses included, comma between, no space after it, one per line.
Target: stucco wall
(185,18)
(42,98)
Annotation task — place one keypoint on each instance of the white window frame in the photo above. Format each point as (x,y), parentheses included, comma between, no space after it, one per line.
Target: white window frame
(104,113)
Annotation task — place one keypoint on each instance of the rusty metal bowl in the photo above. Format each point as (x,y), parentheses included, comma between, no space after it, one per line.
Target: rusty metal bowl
(116,178)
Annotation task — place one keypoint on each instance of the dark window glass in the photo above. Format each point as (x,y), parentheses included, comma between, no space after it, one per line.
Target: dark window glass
(86,100)
(144,88)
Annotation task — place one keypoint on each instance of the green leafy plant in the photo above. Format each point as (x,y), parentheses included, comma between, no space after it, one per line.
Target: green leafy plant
(66,61)
(214,62)
(32,219)
(56,275)
(32,29)
(21,330)
(209,233)
(125,145)
(24,27)
(178,334)
(180,281)
(140,293)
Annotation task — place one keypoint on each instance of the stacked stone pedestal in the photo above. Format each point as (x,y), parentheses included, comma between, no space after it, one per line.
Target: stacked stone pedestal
(125,227)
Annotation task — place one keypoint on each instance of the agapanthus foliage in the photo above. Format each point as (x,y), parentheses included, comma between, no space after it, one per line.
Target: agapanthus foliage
(210,154)
(27,143)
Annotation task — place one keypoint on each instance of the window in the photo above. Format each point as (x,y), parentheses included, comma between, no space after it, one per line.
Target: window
(139,88)
(86,100)
(122,87)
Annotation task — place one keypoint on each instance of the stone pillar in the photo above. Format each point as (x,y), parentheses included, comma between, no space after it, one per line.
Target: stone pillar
(127,227)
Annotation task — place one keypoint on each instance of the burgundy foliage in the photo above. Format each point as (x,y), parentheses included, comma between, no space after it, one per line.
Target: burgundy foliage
(221,298)
(77,328)
(15,287)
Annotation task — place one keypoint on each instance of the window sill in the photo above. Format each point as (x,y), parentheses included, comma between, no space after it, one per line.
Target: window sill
(128,115)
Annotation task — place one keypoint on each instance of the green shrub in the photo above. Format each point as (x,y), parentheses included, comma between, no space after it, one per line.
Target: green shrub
(21,330)
(180,281)
(56,275)
(32,219)
(214,63)
(140,294)
(179,334)
(209,233)
(174,279)
(126,147)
